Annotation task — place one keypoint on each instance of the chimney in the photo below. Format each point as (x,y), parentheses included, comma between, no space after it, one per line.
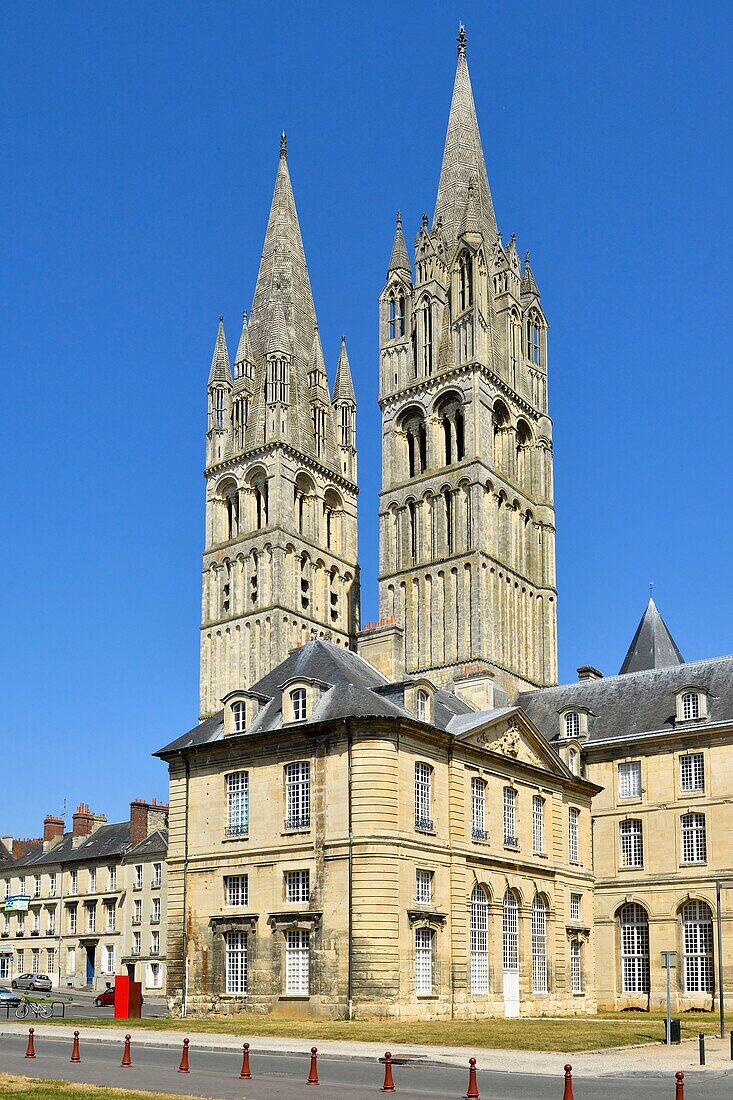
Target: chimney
(84,822)
(145,818)
(587,672)
(53,830)
(8,842)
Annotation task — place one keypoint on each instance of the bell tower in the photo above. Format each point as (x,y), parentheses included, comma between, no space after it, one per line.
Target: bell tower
(467,523)
(280,559)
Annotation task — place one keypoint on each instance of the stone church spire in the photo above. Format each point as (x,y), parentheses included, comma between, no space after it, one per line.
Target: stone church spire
(280,558)
(399,260)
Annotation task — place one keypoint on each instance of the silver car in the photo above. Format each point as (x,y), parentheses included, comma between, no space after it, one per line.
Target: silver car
(32,981)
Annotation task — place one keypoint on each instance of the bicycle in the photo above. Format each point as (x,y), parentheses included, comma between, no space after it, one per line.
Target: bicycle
(27,1008)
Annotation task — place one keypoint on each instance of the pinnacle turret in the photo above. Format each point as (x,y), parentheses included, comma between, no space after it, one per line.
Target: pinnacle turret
(399,260)
(278,335)
(220,368)
(529,284)
(317,377)
(244,353)
(343,389)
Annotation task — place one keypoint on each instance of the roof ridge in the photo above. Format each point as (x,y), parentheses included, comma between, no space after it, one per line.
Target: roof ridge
(626,675)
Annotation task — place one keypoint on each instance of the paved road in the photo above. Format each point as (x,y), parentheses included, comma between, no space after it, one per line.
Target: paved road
(283,1077)
(80,1004)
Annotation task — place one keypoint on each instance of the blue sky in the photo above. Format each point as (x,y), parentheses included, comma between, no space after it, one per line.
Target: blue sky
(139,151)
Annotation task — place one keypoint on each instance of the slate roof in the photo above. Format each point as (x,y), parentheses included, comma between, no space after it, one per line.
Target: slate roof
(633,703)
(156,844)
(105,842)
(652,646)
(352,689)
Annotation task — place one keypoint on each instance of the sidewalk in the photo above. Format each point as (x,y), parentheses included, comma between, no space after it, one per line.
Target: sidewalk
(653,1058)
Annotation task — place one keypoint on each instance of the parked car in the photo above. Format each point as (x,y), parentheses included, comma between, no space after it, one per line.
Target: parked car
(32,981)
(106,998)
(8,998)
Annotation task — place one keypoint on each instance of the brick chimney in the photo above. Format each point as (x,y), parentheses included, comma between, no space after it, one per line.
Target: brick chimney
(145,818)
(84,821)
(53,831)
(587,672)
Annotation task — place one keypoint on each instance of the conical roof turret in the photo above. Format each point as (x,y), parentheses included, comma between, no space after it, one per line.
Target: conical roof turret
(220,369)
(652,646)
(343,389)
(463,160)
(399,260)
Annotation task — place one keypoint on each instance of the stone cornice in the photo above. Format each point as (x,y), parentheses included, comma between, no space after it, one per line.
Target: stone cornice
(265,449)
(420,385)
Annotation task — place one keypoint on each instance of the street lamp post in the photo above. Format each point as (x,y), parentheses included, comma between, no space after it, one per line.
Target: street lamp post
(721,884)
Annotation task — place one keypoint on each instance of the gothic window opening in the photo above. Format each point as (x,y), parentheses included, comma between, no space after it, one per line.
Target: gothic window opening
(219,408)
(231,505)
(634,933)
(412,516)
(305,596)
(515,346)
(401,316)
(278,382)
(332,510)
(479,940)
(319,428)
(303,493)
(392,319)
(417,443)
(334,595)
(346,424)
(449,533)
(524,451)
(426,336)
(465,281)
(535,338)
(253,581)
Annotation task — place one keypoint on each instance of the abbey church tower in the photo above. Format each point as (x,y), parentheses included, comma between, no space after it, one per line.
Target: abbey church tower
(280,555)
(467,528)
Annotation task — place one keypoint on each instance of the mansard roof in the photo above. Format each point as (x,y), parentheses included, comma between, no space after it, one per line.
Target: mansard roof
(635,703)
(106,842)
(155,844)
(463,162)
(652,646)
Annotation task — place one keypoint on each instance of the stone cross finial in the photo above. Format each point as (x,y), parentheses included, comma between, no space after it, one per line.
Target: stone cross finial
(461,40)
(425,221)
(283,145)
(399,219)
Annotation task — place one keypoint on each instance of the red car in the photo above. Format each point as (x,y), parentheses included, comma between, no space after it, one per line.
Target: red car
(106,998)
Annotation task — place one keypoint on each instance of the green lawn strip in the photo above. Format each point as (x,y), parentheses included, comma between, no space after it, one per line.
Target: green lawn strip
(33,1088)
(575,1033)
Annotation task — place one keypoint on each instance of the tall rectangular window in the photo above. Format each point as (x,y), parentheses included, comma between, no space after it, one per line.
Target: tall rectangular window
(694,840)
(138,876)
(297,963)
(692,772)
(297,886)
(632,843)
(52,884)
(298,795)
(71,960)
(137,912)
(36,960)
(108,959)
(575,907)
(237,804)
(19,961)
(91,918)
(73,882)
(423,885)
(155,914)
(158,875)
(478,809)
(236,890)
(423,796)
(36,886)
(136,943)
(71,911)
(629,779)
(538,824)
(110,907)
(236,964)
(52,921)
(510,818)
(576,968)
(155,942)
(112,877)
(573,834)
(423,962)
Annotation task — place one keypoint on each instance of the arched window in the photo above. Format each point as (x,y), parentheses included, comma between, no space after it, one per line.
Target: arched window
(332,509)
(450,412)
(573,761)
(258,484)
(392,319)
(426,335)
(572,724)
(417,442)
(534,341)
(298,703)
(239,717)
(479,940)
(303,494)
(422,706)
(231,505)
(634,933)
(694,839)
(319,428)
(465,281)
(539,945)
(690,705)
(697,944)
(510,931)
(448,502)
(401,316)
(412,517)
(278,381)
(219,408)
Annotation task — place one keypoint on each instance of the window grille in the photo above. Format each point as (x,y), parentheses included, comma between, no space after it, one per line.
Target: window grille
(236,962)
(539,945)
(634,925)
(237,804)
(538,824)
(298,700)
(694,840)
(423,784)
(576,968)
(692,772)
(510,931)
(510,818)
(575,907)
(235,889)
(690,705)
(297,963)
(572,724)
(423,962)
(297,795)
(423,885)
(629,779)
(478,809)
(632,843)
(697,942)
(479,940)
(573,834)
(297,885)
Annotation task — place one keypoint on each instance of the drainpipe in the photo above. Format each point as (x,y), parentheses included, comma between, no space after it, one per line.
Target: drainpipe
(351,866)
(184,941)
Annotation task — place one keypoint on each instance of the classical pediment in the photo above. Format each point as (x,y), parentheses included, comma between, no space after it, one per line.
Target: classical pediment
(514,737)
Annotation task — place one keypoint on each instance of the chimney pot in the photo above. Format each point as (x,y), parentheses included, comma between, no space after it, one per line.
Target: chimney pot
(588,672)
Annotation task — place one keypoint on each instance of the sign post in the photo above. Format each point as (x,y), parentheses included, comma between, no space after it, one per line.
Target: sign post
(669,960)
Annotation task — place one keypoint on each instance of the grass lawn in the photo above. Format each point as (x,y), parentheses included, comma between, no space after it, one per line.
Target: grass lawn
(568,1035)
(32,1088)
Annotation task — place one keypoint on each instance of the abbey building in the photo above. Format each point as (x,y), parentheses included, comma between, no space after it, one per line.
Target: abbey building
(413,818)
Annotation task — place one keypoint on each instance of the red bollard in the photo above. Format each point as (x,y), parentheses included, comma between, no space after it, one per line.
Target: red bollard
(679,1088)
(183,1068)
(126,1054)
(313,1075)
(30,1050)
(568,1090)
(472,1093)
(75,1055)
(246,1074)
(388,1085)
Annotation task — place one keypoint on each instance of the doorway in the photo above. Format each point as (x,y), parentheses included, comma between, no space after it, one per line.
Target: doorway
(510,952)
(90,965)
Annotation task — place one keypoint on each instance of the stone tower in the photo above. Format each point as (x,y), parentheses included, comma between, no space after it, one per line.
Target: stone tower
(280,556)
(467,526)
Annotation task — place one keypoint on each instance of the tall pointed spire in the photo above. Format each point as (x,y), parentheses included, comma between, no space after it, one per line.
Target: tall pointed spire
(278,334)
(220,369)
(463,159)
(399,260)
(653,646)
(244,353)
(317,373)
(343,389)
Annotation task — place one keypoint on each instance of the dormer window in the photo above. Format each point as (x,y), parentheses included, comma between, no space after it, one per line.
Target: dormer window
(691,705)
(239,717)
(240,710)
(572,724)
(298,701)
(422,705)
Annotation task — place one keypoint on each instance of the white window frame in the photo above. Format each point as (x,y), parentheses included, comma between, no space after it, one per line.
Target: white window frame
(155,942)
(634,943)
(692,772)
(137,943)
(538,824)
(424,885)
(576,966)
(239,717)
(539,944)
(138,884)
(575,907)
(236,890)
(236,963)
(298,886)
(237,804)
(110,922)
(691,708)
(573,834)
(422,705)
(73,883)
(155,911)
(479,940)
(71,961)
(478,808)
(694,838)
(297,963)
(697,945)
(631,838)
(157,876)
(297,795)
(299,704)
(423,796)
(510,931)
(424,962)
(511,840)
(629,779)
(137,911)
(108,959)
(572,724)
(112,873)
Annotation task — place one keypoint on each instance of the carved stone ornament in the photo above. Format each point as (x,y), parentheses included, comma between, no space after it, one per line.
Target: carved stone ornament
(425,916)
(283,922)
(243,922)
